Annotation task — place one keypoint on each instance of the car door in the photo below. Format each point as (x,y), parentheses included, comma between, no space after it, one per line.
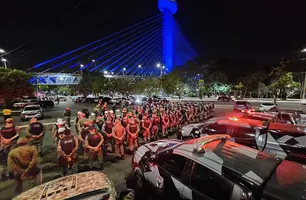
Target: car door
(170,168)
(208,185)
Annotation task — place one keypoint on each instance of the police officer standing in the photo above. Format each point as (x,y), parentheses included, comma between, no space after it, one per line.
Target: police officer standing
(67,116)
(67,148)
(9,135)
(93,142)
(22,164)
(35,133)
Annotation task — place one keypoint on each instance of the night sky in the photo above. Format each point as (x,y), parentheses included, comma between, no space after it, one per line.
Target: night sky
(263,31)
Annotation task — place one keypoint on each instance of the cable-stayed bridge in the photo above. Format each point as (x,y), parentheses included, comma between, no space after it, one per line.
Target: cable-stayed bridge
(149,48)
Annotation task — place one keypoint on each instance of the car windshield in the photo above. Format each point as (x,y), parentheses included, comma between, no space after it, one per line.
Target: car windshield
(241,103)
(25,101)
(102,194)
(31,108)
(267,104)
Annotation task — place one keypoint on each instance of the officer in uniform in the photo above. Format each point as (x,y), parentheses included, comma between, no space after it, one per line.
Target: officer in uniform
(119,135)
(22,164)
(67,148)
(82,136)
(67,116)
(35,133)
(133,130)
(93,142)
(58,130)
(9,135)
(107,130)
(146,126)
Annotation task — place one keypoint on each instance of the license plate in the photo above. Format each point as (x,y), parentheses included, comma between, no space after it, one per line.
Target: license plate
(30,116)
(197,132)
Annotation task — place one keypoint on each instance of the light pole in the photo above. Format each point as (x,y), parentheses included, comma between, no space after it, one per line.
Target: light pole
(4,62)
(159,67)
(2,52)
(94,61)
(139,67)
(124,69)
(81,66)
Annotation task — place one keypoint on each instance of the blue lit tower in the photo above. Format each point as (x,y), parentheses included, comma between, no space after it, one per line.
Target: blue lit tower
(168,8)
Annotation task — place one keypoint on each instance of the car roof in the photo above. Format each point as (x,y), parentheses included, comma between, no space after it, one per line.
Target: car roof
(244,122)
(229,157)
(289,128)
(69,186)
(28,106)
(288,182)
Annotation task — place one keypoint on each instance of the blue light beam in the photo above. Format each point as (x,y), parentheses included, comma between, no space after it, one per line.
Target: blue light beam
(92,43)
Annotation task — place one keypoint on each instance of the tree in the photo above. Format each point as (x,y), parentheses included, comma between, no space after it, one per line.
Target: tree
(285,81)
(98,84)
(202,87)
(150,86)
(85,85)
(170,83)
(239,87)
(14,84)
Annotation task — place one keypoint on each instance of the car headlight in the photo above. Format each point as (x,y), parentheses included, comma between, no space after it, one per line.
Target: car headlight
(137,100)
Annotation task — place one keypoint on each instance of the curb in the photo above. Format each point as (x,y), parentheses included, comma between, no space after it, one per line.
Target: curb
(45,124)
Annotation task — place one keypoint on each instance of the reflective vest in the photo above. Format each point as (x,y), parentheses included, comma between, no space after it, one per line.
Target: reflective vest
(133,127)
(36,128)
(109,127)
(93,139)
(68,144)
(147,122)
(8,132)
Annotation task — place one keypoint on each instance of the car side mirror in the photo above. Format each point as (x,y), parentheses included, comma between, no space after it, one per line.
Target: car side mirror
(127,194)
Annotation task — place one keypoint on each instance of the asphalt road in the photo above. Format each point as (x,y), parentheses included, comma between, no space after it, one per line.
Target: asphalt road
(115,171)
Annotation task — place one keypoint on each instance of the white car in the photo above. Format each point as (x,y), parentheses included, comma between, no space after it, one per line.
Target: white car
(267,106)
(25,102)
(32,111)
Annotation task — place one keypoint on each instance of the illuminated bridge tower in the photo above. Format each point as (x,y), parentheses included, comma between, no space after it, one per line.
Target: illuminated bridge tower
(168,8)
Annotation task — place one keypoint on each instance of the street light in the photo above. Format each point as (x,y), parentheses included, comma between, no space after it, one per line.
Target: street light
(112,73)
(4,62)
(2,51)
(124,69)
(304,50)
(81,66)
(105,72)
(158,65)
(139,66)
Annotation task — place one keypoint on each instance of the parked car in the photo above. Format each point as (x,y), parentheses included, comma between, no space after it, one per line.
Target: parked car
(85,185)
(268,107)
(46,104)
(225,98)
(242,106)
(62,98)
(92,100)
(285,141)
(31,111)
(213,167)
(26,102)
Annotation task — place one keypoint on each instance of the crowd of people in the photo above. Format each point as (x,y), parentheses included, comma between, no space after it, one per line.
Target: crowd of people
(102,132)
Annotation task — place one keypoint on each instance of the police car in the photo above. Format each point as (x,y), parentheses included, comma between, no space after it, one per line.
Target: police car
(285,141)
(213,167)
(31,111)
(86,185)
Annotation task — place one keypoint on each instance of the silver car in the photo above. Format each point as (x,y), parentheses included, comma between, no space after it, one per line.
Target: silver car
(31,111)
